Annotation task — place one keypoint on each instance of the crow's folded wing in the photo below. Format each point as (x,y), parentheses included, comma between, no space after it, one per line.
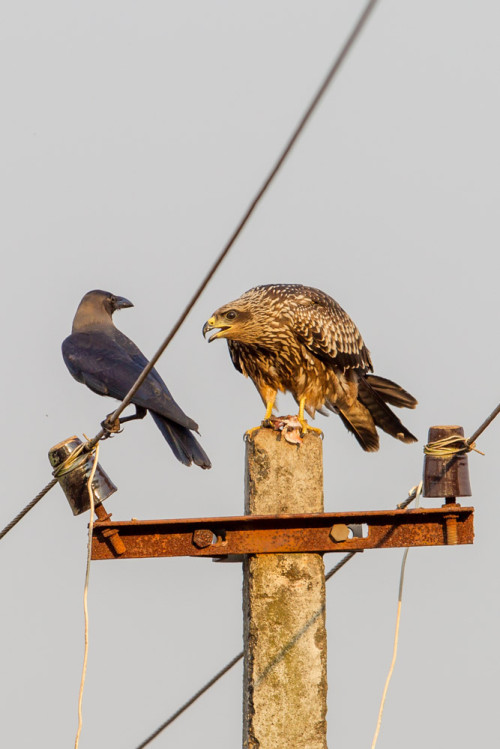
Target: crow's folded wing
(107,368)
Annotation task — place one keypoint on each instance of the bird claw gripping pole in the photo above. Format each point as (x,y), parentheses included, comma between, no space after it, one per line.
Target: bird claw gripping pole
(289,427)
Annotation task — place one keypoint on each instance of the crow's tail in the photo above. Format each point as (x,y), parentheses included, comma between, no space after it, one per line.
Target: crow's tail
(184,444)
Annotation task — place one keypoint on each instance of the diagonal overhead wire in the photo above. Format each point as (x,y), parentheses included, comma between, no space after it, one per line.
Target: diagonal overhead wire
(28,507)
(413,494)
(192,700)
(233,662)
(332,72)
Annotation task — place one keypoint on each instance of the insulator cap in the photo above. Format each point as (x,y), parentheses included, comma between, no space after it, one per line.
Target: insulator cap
(446,475)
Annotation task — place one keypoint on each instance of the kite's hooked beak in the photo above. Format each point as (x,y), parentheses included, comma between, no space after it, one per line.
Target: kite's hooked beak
(211,325)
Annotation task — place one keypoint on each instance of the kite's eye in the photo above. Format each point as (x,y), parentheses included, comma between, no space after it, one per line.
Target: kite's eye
(231,315)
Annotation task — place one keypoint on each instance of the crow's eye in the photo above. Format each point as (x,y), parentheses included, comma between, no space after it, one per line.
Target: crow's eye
(112,299)
(231,315)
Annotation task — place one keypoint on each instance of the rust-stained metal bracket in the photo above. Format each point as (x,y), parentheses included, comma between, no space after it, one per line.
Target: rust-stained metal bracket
(110,534)
(261,534)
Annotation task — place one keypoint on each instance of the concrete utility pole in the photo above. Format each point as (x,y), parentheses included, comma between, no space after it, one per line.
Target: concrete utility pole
(285,684)
(282,539)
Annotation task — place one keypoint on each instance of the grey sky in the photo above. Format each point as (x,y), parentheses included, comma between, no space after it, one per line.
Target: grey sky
(133,137)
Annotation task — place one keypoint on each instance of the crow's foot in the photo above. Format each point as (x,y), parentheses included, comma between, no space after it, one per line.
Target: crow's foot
(111,428)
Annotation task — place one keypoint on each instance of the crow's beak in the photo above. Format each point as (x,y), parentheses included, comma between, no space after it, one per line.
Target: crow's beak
(122,303)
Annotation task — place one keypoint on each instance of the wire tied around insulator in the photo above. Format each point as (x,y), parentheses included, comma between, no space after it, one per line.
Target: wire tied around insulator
(447,447)
(78,457)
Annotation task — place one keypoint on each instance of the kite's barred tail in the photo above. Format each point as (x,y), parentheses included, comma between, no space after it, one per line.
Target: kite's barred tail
(371,411)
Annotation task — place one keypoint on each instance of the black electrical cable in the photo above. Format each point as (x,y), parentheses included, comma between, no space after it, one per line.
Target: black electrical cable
(329,574)
(272,174)
(28,507)
(233,662)
(275,169)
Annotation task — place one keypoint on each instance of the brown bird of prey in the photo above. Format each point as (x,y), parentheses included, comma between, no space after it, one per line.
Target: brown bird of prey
(295,338)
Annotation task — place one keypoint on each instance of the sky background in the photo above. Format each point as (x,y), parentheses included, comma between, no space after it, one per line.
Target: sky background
(134,136)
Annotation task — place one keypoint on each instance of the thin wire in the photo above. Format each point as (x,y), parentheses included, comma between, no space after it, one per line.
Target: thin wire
(485,424)
(340,564)
(394,652)
(417,491)
(329,77)
(451,446)
(275,169)
(226,668)
(193,699)
(28,507)
(85,594)
(414,493)
(74,459)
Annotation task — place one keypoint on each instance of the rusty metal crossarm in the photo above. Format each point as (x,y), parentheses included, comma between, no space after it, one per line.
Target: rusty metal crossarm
(259,534)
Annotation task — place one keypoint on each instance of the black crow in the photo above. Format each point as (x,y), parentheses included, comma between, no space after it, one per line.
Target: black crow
(99,355)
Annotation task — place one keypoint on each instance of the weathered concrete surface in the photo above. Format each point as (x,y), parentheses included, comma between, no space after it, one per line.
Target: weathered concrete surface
(284,604)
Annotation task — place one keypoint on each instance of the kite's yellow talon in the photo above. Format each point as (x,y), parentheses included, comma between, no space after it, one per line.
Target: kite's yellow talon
(250,432)
(303,423)
(265,422)
(304,428)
